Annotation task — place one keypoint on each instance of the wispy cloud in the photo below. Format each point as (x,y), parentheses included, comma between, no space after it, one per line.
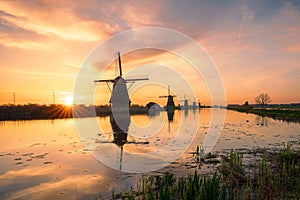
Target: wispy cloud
(45,41)
(33,24)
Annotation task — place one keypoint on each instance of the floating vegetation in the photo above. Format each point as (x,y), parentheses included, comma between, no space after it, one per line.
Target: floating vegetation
(27,154)
(42,156)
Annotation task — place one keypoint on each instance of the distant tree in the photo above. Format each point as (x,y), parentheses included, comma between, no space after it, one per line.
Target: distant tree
(263,99)
(246,103)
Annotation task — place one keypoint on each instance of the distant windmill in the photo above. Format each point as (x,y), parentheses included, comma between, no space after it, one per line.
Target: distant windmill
(195,105)
(119,99)
(185,103)
(170,103)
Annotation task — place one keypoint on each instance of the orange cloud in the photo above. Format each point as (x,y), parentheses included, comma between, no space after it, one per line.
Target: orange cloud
(43,43)
(52,21)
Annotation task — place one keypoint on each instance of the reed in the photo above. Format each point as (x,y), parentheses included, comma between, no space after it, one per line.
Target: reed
(273,176)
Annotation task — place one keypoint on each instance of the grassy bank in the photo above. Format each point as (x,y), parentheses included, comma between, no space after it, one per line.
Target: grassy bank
(274,175)
(59,111)
(283,114)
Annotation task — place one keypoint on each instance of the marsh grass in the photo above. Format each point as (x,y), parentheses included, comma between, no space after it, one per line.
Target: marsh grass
(283,114)
(271,176)
(200,158)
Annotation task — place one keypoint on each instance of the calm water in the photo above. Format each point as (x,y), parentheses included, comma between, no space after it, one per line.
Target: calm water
(47,159)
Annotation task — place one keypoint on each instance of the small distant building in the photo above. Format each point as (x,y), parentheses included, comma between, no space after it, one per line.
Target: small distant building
(153,108)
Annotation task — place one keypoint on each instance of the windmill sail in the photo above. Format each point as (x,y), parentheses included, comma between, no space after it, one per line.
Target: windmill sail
(170,101)
(120,66)
(119,99)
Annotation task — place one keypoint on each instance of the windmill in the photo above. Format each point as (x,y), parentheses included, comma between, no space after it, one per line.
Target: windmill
(119,99)
(170,102)
(195,105)
(185,103)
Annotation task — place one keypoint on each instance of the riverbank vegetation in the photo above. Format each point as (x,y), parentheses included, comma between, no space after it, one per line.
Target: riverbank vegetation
(275,113)
(59,111)
(272,175)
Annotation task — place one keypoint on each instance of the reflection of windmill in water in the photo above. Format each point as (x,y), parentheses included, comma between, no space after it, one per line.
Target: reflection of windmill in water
(120,134)
(170,114)
(196,105)
(120,102)
(170,102)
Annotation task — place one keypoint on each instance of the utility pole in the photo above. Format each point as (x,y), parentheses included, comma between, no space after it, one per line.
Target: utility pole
(14,98)
(53,97)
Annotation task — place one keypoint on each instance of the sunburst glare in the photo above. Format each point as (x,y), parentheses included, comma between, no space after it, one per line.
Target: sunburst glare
(68,101)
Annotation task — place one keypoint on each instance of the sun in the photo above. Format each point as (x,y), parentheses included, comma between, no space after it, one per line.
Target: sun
(68,101)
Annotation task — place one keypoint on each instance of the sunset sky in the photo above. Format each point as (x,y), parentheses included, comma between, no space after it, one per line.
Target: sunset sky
(254,43)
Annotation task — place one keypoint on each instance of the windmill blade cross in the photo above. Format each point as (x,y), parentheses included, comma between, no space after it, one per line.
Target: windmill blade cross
(133,142)
(104,80)
(136,79)
(120,66)
(185,100)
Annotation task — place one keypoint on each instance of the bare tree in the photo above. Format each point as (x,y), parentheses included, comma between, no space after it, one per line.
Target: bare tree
(263,99)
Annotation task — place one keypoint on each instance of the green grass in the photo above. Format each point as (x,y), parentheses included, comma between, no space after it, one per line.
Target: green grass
(168,186)
(284,114)
(271,176)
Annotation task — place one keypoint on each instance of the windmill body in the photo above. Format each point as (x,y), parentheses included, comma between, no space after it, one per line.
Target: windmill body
(119,99)
(185,103)
(170,102)
(196,105)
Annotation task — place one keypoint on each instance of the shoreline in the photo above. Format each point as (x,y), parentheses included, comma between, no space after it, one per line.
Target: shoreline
(269,173)
(59,111)
(289,115)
